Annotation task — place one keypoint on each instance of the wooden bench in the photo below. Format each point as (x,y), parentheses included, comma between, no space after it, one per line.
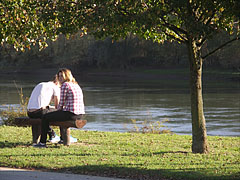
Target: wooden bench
(36,127)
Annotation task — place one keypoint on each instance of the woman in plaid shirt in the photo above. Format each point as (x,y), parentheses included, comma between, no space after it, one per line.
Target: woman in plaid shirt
(70,107)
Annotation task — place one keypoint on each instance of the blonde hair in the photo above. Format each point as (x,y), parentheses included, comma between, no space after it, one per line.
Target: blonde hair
(67,75)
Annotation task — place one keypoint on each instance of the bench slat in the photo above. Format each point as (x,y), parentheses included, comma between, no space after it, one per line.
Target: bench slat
(26,121)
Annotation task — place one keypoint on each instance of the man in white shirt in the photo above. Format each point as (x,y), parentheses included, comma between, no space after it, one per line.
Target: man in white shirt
(40,99)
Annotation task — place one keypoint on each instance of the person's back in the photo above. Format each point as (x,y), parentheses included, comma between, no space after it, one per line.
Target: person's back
(42,95)
(71,98)
(40,99)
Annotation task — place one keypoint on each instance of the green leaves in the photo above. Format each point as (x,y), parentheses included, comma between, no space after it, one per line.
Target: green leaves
(22,24)
(27,23)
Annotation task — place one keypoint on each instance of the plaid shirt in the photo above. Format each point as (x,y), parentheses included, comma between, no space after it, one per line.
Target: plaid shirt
(71,98)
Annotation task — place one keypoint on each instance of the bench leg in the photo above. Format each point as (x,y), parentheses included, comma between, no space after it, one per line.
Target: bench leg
(36,132)
(65,133)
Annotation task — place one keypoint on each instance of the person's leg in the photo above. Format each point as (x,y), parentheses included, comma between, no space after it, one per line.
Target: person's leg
(50,131)
(44,130)
(62,116)
(39,114)
(35,114)
(51,116)
(36,129)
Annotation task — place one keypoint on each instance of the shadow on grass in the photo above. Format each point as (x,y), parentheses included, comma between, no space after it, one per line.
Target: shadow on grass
(47,154)
(172,152)
(156,153)
(145,174)
(6,144)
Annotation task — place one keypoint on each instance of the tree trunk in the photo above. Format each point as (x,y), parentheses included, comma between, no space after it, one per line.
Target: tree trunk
(199,133)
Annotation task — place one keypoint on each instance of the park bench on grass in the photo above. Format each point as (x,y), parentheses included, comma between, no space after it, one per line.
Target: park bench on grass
(36,127)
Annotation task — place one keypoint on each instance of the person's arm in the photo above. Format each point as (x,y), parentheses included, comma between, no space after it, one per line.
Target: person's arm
(56,101)
(63,95)
(56,95)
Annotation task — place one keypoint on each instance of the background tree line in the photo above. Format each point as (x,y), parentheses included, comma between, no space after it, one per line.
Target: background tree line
(127,53)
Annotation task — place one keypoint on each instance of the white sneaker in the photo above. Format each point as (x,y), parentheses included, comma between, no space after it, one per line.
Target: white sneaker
(55,139)
(72,139)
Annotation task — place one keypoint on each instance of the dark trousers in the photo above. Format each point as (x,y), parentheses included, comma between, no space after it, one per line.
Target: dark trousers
(55,116)
(39,114)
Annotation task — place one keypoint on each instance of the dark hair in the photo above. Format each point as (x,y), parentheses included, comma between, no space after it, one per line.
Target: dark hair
(55,78)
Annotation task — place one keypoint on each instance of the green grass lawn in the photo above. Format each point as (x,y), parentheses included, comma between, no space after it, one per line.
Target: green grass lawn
(126,155)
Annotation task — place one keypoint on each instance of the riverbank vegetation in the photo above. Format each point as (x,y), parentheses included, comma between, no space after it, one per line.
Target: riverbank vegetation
(125,155)
(132,52)
(7,116)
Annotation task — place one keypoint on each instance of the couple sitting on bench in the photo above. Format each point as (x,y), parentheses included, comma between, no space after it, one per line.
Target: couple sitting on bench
(68,100)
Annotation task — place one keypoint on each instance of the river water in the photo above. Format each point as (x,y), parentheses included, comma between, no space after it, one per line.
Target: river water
(111,105)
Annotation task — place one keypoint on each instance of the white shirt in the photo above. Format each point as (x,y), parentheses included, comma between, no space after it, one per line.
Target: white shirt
(42,94)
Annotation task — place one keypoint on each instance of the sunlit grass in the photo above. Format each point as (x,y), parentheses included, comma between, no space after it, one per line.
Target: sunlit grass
(128,155)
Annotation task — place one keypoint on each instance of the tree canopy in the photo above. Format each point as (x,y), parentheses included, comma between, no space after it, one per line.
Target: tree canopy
(25,23)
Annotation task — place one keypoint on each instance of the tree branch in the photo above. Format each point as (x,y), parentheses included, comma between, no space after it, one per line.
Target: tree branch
(176,39)
(226,43)
(175,29)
